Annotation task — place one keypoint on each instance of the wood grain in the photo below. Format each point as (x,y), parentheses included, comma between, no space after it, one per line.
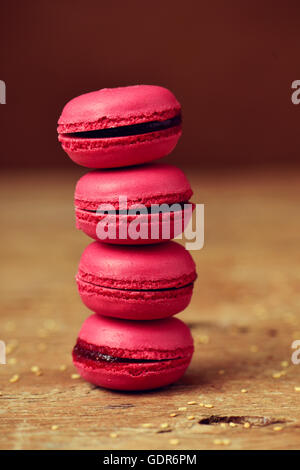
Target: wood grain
(244,316)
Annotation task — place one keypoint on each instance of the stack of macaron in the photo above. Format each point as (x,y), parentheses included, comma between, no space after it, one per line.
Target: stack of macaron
(133,277)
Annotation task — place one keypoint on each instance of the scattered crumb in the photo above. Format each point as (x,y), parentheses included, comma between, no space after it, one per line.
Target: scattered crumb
(182,408)
(223,425)
(279,374)
(62,368)
(247,425)
(218,442)
(222,442)
(284,364)
(36,370)
(208,406)
(14,378)
(191,402)
(54,427)
(232,425)
(174,442)
(226,442)
(202,339)
(201,404)
(75,376)
(172,415)
(277,428)
(191,418)
(147,425)
(297,389)
(164,425)
(113,435)
(244,390)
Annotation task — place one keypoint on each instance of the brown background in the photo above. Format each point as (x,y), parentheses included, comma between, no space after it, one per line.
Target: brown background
(231,64)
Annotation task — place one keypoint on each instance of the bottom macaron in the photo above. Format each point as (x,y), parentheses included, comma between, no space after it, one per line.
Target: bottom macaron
(132,355)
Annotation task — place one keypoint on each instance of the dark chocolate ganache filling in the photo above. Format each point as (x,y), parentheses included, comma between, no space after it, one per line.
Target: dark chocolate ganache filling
(154,209)
(124,131)
(80,352)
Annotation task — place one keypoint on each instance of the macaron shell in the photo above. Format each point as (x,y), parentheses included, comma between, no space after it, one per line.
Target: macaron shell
(164,226)
(135,339)
(145,184)
(158,266)
(123,381)
(121,152)
(134,305)
(113,107)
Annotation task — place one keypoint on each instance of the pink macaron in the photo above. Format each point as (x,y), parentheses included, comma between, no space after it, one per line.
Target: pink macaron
(116,127)
(126,355)
(136,205)
(136,282)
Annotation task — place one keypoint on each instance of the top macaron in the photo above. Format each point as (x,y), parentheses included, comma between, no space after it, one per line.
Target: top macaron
(116,127)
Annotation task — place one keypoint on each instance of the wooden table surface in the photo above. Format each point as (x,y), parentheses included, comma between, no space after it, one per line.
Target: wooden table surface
(244,316)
